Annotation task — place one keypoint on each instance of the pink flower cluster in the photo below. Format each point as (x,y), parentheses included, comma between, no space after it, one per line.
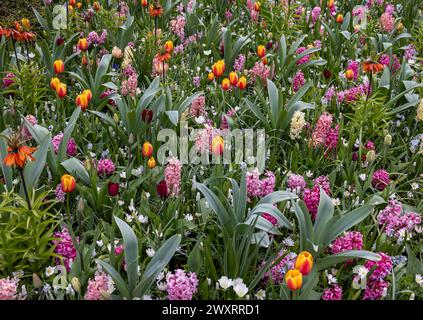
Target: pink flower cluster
(304,59)
(239,63)
(387,22)
(197,106)
(172,175)
(376,283)
(296,182)
(94,38)
(8,289)
(354,66)
(260,70)
(180,285)
(315,14)
(71,147)
(352,240)
(352,94)
(380,179)
(323,134)
(257,187)
(177,26)
(105,167)
(386,61)
(298,81)
(311,197)
(332,293)
(64,247)
(25,132)
(129,87)
(8,80)
(277,273)
(395,221)
(253,13)
(99,287)
(60,195)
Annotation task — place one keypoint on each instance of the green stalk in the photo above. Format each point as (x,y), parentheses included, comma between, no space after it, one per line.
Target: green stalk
(25,189)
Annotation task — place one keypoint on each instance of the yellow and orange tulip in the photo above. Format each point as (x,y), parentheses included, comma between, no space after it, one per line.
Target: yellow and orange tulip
(242,83)
(226,84)
(218,68)
(83,44)
(58,66)
(61,90)
(294,279)
(147,149)
(68,183)
(233,78)
(261,51)
(151,163)
(304,263)
(217,145)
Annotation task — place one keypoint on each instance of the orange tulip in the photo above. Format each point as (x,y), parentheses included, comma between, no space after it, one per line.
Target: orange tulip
(226,84)
(88,93)
(82,101)
(68,183)
(372,66)
(217,145)
(264,60)
(72,2)
(83,44)
(331,3)
(257,6)
(210,76)
(261,51)
(304,262)
(294,279)
(233,78)
(147,149)
(151,163)
(242,83)
(19,156)
(61,90)
(54,83)
(169,46)
(79,5)
(144,3)
(349,74)
(218,68)
(339,18)
(58,66)
(96,6)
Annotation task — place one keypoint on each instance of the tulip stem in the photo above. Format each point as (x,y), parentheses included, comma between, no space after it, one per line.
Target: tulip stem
(68,207)
(24,187)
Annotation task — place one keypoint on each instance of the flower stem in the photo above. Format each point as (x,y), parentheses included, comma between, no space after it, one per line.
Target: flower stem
(16,55)
(24,187)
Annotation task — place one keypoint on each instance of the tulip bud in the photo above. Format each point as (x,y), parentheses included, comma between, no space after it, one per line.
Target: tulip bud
(294,279)
(36,281)
(210,76)
(76,285)
(54,83)
(61,90)
(233,78)
(218,68)
(169,46)
(151,163)
(327,74)
(58,66)
(144,3)
(400,26)
(264,60)
(261,51)
(117,53)
(304,263)
(217,145)
(339,18)
(371,156)
(257,6)
(83,44)
(147,115)
(116,118)
(60,41)
(96,6)
(226,84)
(388,140)
(68,183)
(84,60)
(72,2)
(162,189)
(147,149)
(79,5)
(113,189)
(349,74)
(82,101)
(88,93)
(242,83)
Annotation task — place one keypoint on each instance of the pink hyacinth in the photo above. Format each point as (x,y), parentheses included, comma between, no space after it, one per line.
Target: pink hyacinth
(304,59)
(354,66)
(8,80)
(64,247)
(390,9)
(332,293)
(261,71)
(311,198)
(25,132)
(376,289)
(410,52)
(376,283)
(322,182)
(352,240)
(387,22)
(298,81)
(315,13)
(181,285)
(239,63)
(257,187)
(129,87)
(352,94)
(8,289)
(177,26)
(331,141)
(395,221)
(296,182)
(100,287)
(322,128)
(172,175)
(197,106)
(386,60)
(277,273)
(105,167)
(71,149)
(380,179)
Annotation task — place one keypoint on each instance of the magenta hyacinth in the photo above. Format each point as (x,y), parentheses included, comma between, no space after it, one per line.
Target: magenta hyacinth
(105,167)
(197,106)
(332,293)
(304,59)
(181,285)
(71,149)
(60,195)
(380,179)
(352,240)
(100,287)
(298,81)
(173,176)
(257,187)
(296,182)
(65,248)
(376,282)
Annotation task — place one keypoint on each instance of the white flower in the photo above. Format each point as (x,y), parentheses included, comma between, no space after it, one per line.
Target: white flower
(99,243)
(50,271)
(225,282)
(362,271)
(261,294)
(309,174)
(150,252)
(189,217)
(15,182)
(414,185)
(123,175)
(146,297)
(288,242)
(332,279)
(129,218)
(131,206)
(121,203)
(412,296)
(336,202)
(69,290)
(160,276)
(240,289)
(142,219)
(362,176)
(162,286)
(419,280)
(137,172)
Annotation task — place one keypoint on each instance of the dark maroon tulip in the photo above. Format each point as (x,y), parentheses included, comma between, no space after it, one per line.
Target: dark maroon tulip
(113,189)
(147,115)
(269,45)
(162,189)
(327,74)
(60,41)
(355,156)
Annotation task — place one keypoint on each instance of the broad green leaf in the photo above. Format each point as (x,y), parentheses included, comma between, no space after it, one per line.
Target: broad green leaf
(335,259)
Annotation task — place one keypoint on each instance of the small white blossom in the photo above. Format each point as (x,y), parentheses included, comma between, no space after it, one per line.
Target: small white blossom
(50,271)
(225,282)
(150,252)
(240,289)
(261,294)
